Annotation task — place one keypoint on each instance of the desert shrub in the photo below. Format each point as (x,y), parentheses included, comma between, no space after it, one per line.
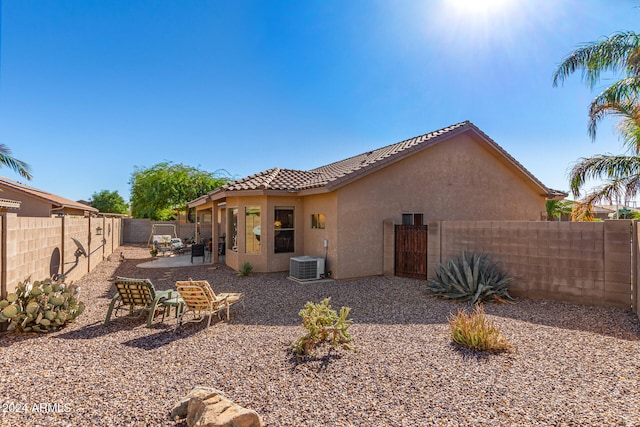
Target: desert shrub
(474,279)
(245,269)
(476,332)
(41,306)
(323,325)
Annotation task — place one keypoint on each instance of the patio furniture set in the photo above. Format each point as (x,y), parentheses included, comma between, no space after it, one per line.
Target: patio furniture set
(174,246)
(193,297)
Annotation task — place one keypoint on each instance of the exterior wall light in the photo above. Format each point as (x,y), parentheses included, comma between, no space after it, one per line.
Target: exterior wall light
(98,231)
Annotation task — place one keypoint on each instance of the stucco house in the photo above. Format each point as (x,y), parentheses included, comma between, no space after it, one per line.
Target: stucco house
(38,203)
(337,211)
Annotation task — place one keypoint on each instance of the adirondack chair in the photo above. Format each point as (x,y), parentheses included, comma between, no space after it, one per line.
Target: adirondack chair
(199,298)
(137,293)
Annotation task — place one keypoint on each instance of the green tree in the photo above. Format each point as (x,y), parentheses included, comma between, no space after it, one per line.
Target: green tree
(556,208)
(11,162)
(162,190)
(618,54)
(109,202)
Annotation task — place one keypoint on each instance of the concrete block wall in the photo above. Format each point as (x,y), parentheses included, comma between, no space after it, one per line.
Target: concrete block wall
(79,229)
(39,247)
(138,231)
(617,264)
(581,262)
(635,264)
(29,246)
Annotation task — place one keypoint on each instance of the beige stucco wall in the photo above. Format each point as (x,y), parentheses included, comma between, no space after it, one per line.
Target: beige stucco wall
(458,179)
(308,241)
(266,260)
(314,238)
(29,206)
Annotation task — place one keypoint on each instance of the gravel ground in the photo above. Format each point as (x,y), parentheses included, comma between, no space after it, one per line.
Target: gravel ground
(570,366)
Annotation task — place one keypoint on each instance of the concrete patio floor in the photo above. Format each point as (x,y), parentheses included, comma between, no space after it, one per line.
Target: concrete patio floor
(176,261)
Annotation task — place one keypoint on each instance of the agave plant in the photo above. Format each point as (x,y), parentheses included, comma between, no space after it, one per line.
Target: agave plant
(471,278)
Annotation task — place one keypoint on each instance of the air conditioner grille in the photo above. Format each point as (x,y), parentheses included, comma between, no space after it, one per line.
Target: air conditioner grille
(306,267)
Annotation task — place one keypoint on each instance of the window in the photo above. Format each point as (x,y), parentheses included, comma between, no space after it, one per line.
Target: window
(232,230)
(317,221)
(283,230)
(412,219)
(252,229)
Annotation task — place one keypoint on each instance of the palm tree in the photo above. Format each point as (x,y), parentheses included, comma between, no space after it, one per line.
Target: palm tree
(619,53)
(18,166)
(556,208)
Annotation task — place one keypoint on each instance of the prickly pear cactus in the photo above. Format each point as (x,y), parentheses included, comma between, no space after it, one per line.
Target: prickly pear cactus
(41,306)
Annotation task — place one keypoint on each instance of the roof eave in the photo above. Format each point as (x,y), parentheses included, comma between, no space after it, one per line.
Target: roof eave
(349,178)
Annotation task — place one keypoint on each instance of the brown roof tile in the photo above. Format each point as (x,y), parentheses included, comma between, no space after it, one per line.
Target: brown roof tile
(56,201)
(343,171)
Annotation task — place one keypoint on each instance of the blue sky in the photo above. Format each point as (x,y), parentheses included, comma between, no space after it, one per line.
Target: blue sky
(91,89)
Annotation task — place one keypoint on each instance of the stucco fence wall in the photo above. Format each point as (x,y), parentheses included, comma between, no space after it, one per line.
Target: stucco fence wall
(41,247)
(138,231)
(580,262)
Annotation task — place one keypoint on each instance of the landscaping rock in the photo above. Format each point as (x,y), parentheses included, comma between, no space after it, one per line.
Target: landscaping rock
(180,409)
(218,411)
(208,407)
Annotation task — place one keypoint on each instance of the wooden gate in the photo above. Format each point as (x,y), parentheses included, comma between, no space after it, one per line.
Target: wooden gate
(411,251)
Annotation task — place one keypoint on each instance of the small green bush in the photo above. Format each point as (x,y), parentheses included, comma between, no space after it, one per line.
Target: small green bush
(475,279)
(42,306)
(476,332)
(323,325)
(245,269)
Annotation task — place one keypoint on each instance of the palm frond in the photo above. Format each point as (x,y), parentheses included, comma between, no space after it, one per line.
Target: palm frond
(618,52)
(620,100)
(602,166)
(615,189)
(18,166)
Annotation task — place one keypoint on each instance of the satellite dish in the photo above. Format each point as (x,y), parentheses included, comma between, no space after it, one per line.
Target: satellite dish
(81,250)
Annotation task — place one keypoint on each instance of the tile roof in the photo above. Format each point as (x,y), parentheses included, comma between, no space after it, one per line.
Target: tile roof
(344,171)
(56,201)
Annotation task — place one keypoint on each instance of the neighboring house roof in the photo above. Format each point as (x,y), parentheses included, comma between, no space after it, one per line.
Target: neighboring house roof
(601,210)
(57,202)
(337,174)
(10,204)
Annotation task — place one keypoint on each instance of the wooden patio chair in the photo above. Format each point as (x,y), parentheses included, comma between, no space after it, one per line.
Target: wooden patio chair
(200,299)
(137,293)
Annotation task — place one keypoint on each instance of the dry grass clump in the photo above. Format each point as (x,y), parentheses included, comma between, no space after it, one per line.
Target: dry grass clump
(476,332)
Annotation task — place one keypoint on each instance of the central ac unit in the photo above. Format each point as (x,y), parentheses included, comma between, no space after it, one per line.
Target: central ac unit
(306,267)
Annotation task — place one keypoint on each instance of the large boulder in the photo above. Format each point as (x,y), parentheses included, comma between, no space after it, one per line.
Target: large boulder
(208,407)
(180,409)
